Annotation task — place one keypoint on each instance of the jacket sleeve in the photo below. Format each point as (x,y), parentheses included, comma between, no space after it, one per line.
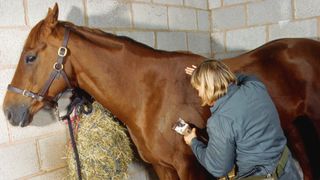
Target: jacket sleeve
(219,155)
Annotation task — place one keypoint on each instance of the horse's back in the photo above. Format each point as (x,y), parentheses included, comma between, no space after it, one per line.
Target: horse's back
(289,63)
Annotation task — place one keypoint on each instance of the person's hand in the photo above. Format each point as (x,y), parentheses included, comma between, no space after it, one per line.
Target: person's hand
(188,137)
(189,70)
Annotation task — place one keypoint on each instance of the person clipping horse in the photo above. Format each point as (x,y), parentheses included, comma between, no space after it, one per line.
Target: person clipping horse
(244,127)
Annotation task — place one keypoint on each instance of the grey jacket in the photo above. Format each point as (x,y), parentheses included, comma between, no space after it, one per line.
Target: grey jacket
(244,129)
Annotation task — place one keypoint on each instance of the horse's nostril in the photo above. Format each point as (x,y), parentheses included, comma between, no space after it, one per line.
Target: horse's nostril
(9,115)
(17,115)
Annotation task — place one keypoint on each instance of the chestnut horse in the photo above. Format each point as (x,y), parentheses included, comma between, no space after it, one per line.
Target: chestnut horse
(148,89)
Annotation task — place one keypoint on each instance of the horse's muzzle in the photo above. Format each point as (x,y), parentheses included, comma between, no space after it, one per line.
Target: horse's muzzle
(18,115)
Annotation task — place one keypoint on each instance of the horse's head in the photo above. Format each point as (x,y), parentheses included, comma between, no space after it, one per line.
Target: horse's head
(38,66)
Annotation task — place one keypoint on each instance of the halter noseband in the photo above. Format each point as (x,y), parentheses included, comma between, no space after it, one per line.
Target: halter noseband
(57,71)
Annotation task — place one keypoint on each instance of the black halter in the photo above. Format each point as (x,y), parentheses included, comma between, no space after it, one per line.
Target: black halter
(57,71)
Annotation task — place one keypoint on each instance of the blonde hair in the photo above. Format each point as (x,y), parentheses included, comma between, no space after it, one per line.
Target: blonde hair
(212,78)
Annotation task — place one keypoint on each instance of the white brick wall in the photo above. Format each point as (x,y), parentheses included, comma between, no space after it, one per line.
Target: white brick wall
(14,40)
(170,2)
(203,4)
(228,18)
(218,43)
(245,39)
(269,11)
(111,14)
(231,2)
(18,160)
(4,134)
(307,28)
(2,94)
(214,3)
(6,77)
(203,20)
(150,16)
(9,17)
(52,175)
(248,24)
(172,41)
(142,0)
(307,8)
(53,151)
(71,10)
(182,18)
(199,43)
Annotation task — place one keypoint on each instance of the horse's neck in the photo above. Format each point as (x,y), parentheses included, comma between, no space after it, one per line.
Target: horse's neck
(97,71)
(113,73)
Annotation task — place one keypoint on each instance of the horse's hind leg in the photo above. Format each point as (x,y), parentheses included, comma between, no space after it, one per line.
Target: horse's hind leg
(308,131)
(298,148)
(312,109)
(165,173)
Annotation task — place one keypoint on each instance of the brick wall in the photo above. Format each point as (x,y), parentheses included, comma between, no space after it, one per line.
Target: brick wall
(242,25)
(234,26)
(37,152)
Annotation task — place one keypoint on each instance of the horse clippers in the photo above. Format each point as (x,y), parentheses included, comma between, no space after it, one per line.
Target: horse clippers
(181,127)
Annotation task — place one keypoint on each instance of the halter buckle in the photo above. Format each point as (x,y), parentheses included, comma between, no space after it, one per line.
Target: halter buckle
(62,51)
(57,66)
(24,92)
(27,93)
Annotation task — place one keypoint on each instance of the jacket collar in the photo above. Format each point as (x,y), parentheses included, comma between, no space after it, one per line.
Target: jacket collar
(232,88)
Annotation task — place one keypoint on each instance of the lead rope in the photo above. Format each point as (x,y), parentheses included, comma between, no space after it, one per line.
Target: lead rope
(74,147)
(74,106)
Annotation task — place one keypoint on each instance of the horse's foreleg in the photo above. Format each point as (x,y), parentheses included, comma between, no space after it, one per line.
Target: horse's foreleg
(165,173)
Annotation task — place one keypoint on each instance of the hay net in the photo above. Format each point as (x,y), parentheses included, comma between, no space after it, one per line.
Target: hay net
(103,145)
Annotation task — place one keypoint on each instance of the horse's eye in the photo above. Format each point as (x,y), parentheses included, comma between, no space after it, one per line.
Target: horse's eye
(30,58)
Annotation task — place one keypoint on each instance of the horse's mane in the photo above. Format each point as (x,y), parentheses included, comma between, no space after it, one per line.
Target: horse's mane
(105,39)
(98,37)
(108,40)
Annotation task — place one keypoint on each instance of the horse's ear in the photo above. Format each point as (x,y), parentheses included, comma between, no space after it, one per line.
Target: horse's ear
(51,19)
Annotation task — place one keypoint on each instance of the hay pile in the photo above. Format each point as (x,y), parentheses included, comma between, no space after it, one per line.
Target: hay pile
(103,145)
